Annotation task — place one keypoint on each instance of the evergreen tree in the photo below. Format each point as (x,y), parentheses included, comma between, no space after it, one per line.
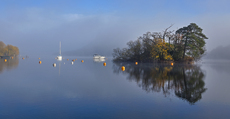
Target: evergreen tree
(193,41)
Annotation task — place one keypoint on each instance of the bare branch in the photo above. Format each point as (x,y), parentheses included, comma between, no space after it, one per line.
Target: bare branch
(166,30)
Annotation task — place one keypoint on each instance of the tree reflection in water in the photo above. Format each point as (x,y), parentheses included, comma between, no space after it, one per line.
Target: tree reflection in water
(185,81)
(10,64)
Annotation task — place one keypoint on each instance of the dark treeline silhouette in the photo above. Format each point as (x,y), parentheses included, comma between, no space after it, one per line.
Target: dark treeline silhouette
(185,81)
(8,50)
(9,65)
(185,44)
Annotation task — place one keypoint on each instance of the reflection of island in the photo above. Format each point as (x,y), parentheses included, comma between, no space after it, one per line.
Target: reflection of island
(185,81)
(10,64)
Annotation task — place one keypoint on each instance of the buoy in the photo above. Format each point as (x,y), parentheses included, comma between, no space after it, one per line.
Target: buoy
(123,68)
(23,58)
(54,64)
(104,64)
(136,63)
(40,62)
(72,63)
(82,60)
(67,59)
(5,60)
(39,58)
(172,64)
(73,60)
(64,62)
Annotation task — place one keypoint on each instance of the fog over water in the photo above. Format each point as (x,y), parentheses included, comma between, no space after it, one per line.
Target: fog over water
(87,27)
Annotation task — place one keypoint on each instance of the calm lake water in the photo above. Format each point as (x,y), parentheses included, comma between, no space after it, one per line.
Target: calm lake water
(90,90)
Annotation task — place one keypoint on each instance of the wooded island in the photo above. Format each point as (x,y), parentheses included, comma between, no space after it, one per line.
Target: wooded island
(8,50)
(186,44)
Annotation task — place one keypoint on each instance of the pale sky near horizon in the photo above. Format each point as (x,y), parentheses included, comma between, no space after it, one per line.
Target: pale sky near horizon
(37,26)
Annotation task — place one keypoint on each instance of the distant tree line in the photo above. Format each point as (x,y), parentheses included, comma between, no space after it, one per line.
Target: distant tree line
(185,44)
(8,50)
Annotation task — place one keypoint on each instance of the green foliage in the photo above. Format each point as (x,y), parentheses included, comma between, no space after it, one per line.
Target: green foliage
(133,53)
(8,50)
(193,41)
(186,44)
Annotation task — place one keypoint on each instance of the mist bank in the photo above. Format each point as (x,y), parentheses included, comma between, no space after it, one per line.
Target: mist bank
(220,52)
(89,52)
(101,47)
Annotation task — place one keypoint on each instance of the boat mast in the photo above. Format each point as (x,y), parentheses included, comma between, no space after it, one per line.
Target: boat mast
(60,47)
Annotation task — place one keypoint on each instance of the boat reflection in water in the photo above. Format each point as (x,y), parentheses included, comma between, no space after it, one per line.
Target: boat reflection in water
(9,64)
(184,81)
(98,59)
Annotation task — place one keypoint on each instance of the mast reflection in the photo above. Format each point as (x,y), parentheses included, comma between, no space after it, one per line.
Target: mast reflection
(185,81)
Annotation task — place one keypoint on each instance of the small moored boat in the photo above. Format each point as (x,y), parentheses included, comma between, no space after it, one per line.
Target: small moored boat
(96,56)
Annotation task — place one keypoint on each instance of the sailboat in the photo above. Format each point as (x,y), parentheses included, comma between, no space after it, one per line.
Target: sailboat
(59,57)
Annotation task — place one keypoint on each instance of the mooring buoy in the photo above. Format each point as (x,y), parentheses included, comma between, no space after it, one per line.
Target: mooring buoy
(123,68)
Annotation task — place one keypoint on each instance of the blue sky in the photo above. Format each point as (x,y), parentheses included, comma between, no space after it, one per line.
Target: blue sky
(89,7)
(78,23)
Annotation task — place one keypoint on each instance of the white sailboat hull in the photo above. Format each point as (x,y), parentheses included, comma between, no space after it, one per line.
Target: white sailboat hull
(59,57)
